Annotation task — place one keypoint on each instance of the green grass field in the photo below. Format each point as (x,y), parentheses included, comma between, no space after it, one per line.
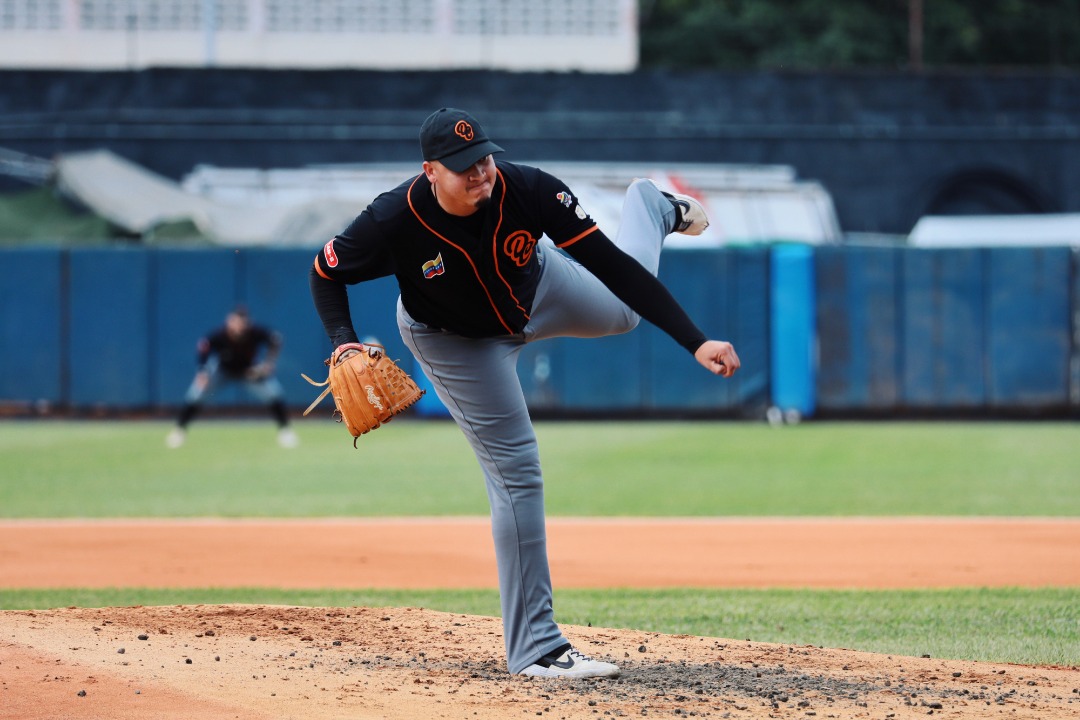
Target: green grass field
(53,469)
(234,469)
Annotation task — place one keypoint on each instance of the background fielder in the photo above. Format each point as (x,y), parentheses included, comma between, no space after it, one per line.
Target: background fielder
(473,245)
(237,352)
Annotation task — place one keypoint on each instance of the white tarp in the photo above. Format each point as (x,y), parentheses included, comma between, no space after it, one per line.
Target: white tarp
(996,230)
(124,193)
(139,200)
(304,207)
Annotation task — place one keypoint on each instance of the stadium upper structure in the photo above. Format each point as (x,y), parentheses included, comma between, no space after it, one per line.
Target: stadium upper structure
(521,35)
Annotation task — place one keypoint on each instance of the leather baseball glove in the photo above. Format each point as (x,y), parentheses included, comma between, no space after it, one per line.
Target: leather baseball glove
(369,388)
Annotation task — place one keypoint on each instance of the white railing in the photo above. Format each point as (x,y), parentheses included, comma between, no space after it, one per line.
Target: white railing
(585,35)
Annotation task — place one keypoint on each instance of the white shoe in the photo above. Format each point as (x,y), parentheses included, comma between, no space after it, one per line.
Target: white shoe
(175,438)
(690,216)
(571,664)
(287,438)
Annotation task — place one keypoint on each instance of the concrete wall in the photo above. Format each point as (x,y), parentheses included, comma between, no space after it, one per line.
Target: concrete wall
(890,147)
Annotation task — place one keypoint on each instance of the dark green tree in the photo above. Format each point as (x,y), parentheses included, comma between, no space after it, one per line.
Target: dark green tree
(837,34)
(1002,33)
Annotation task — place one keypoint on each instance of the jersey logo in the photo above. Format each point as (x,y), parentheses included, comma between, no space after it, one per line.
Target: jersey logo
(331,256)
(565,198)
(464,131)
(434,267)
(519,246)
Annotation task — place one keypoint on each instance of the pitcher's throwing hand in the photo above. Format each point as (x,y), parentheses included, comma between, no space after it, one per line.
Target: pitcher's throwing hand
(719,357)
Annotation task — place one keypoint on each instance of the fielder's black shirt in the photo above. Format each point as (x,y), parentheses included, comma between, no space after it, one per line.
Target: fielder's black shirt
(236,355)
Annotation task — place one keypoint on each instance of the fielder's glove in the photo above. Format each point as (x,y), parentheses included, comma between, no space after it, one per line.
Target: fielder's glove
(368,387)
(260,372)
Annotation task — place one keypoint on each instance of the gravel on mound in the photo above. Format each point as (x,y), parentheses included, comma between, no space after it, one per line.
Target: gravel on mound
(253,662)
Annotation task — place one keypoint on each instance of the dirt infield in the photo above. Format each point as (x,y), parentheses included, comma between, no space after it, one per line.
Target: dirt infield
(253,662)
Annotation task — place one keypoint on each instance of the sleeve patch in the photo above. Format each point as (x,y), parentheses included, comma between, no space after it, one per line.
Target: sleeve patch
(331,256)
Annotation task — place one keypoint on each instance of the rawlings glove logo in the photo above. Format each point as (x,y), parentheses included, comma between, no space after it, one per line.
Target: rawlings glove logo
(373,398)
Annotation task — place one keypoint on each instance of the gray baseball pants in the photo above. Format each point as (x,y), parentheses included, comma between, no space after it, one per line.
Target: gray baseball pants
(477,380)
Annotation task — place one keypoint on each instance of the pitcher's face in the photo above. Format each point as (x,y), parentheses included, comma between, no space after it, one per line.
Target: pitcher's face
(462,193)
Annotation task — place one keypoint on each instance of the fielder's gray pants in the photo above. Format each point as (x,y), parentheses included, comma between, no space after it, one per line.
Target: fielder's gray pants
(266,389)
(477,381)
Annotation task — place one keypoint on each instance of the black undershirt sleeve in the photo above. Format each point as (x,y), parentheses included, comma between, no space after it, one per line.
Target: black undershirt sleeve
(331,300)
(621,273)
(637,287)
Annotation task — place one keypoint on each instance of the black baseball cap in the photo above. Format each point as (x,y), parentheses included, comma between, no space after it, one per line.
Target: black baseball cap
(455,138)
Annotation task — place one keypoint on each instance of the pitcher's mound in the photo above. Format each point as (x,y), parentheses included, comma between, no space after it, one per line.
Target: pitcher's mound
(247,662)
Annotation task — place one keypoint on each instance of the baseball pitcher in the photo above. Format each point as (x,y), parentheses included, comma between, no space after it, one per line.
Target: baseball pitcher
(478,279)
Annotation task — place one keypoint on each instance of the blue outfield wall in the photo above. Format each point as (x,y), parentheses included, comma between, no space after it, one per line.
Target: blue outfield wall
(33,344)
(973,330)
(857,318)
(827,331)
(1030,341)
(106,354)
(943,329)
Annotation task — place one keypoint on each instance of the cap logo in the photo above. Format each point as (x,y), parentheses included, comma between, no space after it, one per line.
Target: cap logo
(464,131)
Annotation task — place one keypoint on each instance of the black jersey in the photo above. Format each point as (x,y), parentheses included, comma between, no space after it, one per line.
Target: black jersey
(236,355)
(476,275)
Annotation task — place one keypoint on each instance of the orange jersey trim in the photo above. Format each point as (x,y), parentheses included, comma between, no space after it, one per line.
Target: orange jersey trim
(318,269)
(460,249)
(573,240)
(495,248)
